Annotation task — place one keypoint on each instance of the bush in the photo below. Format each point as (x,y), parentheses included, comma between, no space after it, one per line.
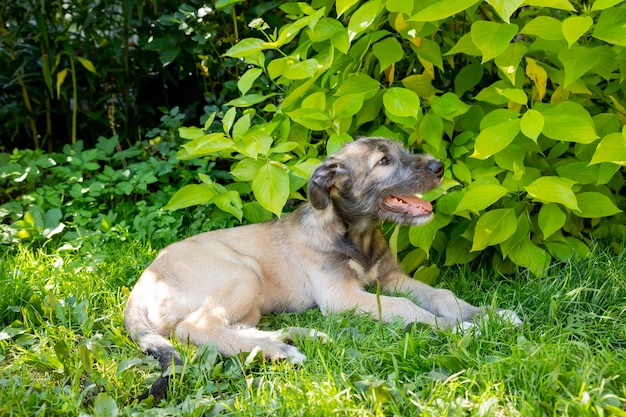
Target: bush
(77,70)
(93,195)
(520,99)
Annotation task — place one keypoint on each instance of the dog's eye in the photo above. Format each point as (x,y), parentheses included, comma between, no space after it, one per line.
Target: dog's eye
(384,161)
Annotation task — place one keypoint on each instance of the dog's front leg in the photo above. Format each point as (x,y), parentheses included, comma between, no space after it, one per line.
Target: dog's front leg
(440,301)
(349,295)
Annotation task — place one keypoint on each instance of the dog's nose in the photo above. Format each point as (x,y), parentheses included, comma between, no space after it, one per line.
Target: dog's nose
(436,167)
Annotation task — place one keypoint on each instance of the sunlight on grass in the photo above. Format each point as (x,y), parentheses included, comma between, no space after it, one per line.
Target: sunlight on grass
(64,351)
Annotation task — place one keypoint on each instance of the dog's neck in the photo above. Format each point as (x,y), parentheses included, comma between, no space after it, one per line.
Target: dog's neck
(363,243)
(349,240)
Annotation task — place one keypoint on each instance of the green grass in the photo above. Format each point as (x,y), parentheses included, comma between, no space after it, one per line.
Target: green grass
(64,351)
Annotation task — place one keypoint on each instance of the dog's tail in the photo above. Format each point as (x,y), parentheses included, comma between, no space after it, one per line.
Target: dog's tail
(153,343)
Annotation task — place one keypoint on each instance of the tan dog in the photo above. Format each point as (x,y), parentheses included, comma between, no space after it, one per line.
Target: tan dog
(215,286)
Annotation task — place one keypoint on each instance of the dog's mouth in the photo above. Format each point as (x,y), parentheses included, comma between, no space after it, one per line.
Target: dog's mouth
(410,205)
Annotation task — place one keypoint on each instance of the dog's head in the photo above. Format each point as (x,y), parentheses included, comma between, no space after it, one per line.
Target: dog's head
(376,179)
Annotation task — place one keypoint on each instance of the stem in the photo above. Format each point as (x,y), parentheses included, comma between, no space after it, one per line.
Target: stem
(75,100)
(126,13)
(234,15)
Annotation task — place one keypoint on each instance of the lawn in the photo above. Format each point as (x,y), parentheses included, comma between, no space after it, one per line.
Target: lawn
(64,350)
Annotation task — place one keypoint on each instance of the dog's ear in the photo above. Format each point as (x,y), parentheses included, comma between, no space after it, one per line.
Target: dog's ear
(325,177)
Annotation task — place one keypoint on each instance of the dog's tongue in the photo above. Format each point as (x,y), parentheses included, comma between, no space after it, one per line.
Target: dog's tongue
(410,204)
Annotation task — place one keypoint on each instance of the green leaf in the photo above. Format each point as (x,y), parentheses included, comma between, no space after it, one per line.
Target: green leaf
(315,101)
(428,50)
(250,100)
(342,6)
(553,190)
(87,64)
(431,130)
(612,148)
(604,4)
(492,38)
(341,41)
(493,139)
(442,9)
(466,46)
(570,248)
(256,142)
(574,27)
(413,259)
(325,29)
(467,78)
(301,70)
(424,236)
(276,67)
(595,205)
(229,119)
(105,406)
(555,4)
(246,47)
(230,202)
(480,197)
(522,232)
(494,227)
(448,106)
(336,141)
(247,79)
(493,93)
(458,251)
(401,102)
(313,119)
(358,83)
(610,27)
(551,219)
(568,121)
(220,4)
(544,27)
(515,95)
(505,8)
(191,195)
(60,78)
(508,62)
(531,124)
(528,255)
(427,274)
(271,187)
(579,171)
(191,132)
(169,55)
(346,106)
(363,17)
(577,61)
(206,145)
(241,127)
(388,51)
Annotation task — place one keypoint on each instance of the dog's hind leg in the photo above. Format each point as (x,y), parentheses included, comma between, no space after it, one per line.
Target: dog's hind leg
(202,327)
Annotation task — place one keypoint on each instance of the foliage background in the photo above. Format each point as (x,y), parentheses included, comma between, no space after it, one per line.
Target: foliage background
(523,102)
(124,63)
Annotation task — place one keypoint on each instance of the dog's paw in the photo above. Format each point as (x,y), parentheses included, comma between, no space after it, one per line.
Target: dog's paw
(465,326)
(510,316)
(293,355)
(321,336)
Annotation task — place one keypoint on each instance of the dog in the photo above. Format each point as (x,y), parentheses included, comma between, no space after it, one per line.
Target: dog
(215,286)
